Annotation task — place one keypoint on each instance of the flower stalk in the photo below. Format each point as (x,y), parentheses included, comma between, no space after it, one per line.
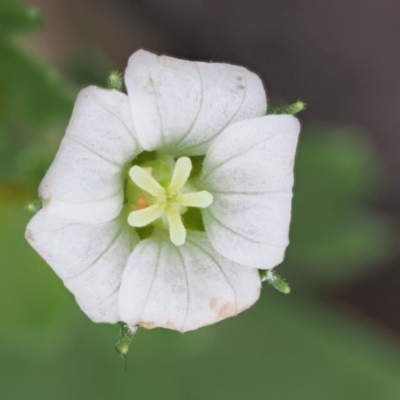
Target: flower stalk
(126,335)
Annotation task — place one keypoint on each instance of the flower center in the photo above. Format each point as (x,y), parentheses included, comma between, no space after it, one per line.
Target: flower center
(167,203)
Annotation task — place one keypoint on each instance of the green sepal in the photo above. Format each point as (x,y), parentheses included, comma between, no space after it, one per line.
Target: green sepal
(275,280)
(34,206)
(287,109)
(125,338)
(115,81)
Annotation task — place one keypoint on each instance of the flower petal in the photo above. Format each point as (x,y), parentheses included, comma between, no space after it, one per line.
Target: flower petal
(84,183)
(89,258)
(249,172)
(184,288)
(180,106)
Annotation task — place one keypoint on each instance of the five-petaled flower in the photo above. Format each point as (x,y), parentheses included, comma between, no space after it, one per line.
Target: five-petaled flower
(162,204)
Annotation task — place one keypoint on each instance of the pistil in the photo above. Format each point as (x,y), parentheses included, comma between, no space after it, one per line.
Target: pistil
(171,200)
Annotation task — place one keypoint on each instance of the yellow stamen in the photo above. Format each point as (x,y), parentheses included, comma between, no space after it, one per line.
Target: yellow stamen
(145,181)
(199,199)
(146,216)
(181,174)
(177,231)
(170,200)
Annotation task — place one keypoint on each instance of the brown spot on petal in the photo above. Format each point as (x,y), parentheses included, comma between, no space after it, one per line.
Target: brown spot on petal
(170,325)
(227,310)
(213,303)
(46,202)
(146,324)
(29,235)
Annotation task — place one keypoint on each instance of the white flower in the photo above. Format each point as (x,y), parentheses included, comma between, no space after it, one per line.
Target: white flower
(125,162)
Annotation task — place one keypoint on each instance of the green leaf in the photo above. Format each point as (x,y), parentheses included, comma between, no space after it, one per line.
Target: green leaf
(334,233)
(24,274)
(30,90)
(34,111)
(18,18)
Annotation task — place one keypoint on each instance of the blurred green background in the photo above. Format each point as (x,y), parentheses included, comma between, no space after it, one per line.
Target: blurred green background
(319,342)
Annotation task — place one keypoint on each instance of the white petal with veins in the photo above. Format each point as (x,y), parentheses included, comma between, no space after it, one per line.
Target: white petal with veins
(85,183)
(184,288)
(89,258)
(180,106)
(249,172)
